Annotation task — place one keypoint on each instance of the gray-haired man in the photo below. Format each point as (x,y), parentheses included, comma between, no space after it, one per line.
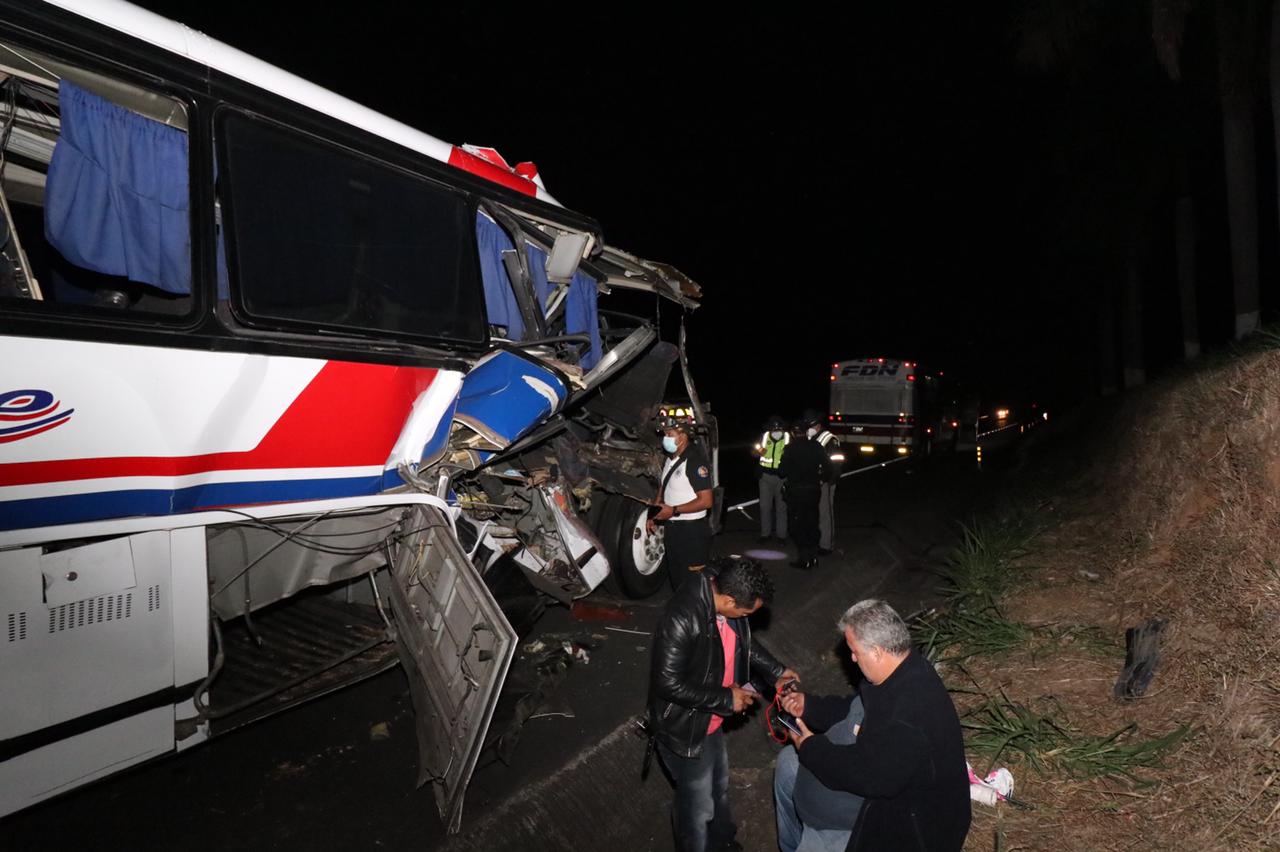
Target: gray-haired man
(907,761)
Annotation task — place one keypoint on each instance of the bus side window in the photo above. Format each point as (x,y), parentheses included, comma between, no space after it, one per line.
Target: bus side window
(324,237)
(93,192)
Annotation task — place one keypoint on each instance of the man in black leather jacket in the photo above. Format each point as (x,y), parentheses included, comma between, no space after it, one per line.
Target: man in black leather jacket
(692,690)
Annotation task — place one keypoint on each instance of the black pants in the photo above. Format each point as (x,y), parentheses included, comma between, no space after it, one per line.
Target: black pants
(802,519)
(687,543)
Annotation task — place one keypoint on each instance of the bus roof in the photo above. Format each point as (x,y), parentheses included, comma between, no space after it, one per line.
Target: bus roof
(875,361)
(194,45)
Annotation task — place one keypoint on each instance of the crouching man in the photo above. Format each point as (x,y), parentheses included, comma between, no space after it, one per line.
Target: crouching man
(907,760)
(702,658)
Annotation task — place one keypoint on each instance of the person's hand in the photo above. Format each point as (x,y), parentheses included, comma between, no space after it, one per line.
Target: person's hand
(664,513)
(793,703)
(651,526)
(742,698)
(787,674)
(797,740)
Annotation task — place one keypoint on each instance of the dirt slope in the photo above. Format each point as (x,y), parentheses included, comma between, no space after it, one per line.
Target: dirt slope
(1171,512)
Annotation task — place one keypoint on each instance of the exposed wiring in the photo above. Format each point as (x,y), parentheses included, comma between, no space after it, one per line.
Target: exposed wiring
(309,540)
(479,541)
(317,519)
(219,659)
(377,597)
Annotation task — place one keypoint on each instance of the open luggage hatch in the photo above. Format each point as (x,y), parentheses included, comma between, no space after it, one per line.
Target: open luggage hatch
(455,645)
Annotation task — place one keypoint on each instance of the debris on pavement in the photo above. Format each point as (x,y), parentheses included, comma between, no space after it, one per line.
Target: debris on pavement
(628,630)
(548,658)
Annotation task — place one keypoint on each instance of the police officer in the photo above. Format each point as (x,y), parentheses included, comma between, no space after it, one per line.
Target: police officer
(684,496)
(817,430)
(773,509)
(804,467)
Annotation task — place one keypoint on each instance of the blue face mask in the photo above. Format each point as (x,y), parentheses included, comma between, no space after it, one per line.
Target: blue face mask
(669,444)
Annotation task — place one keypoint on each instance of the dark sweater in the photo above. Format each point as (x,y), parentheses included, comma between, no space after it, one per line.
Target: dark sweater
(805,464)
(908,762)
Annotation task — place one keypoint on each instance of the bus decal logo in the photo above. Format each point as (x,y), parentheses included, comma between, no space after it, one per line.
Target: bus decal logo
(870,370)
(24,413)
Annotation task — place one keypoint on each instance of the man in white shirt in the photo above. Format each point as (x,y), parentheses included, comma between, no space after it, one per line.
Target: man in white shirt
(683,500)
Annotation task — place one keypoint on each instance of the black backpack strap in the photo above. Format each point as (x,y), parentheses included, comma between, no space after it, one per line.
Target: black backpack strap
(662,489)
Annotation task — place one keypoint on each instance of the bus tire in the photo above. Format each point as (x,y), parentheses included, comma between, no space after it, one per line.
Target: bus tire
(635,555)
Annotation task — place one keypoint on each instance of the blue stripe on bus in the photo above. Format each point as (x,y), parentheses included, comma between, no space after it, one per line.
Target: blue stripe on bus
(103,505)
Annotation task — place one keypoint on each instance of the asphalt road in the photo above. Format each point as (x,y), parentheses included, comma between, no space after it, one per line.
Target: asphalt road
(339,773)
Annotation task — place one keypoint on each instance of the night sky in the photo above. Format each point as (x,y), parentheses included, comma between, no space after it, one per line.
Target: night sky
(952,186)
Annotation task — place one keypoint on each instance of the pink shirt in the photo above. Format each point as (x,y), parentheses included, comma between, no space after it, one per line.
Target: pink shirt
(729,640)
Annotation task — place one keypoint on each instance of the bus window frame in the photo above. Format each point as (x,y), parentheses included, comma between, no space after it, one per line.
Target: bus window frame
(21,311)
(246,318)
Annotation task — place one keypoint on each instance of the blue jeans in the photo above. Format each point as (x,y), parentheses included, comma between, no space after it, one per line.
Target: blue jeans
(793,835)
(823,806)
(700,814)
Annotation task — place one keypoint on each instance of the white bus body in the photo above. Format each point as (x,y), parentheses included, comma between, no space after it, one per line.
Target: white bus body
(281,379)
(879,406)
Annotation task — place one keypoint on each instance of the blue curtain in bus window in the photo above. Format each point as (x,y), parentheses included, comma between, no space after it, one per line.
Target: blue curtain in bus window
(542,288)
(116,193)
(580,303)
(499,300)
(580,315)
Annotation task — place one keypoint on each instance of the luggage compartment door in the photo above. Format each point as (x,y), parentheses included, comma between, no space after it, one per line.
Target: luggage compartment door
(455,645)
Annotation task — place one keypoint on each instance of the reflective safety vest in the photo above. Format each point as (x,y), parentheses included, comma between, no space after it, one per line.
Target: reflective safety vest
(771,450)
(826,439)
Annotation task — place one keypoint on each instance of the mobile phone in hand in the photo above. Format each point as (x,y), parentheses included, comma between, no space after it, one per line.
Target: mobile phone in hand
(789,722)
(750,687)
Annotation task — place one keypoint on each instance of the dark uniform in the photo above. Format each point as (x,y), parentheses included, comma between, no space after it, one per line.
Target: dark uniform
(827,499)
(804,467)
(687,536)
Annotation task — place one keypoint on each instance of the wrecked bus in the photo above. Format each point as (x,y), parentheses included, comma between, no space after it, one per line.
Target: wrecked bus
(282,382)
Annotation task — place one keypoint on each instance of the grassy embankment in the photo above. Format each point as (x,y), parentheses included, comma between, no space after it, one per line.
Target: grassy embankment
(1170,509)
